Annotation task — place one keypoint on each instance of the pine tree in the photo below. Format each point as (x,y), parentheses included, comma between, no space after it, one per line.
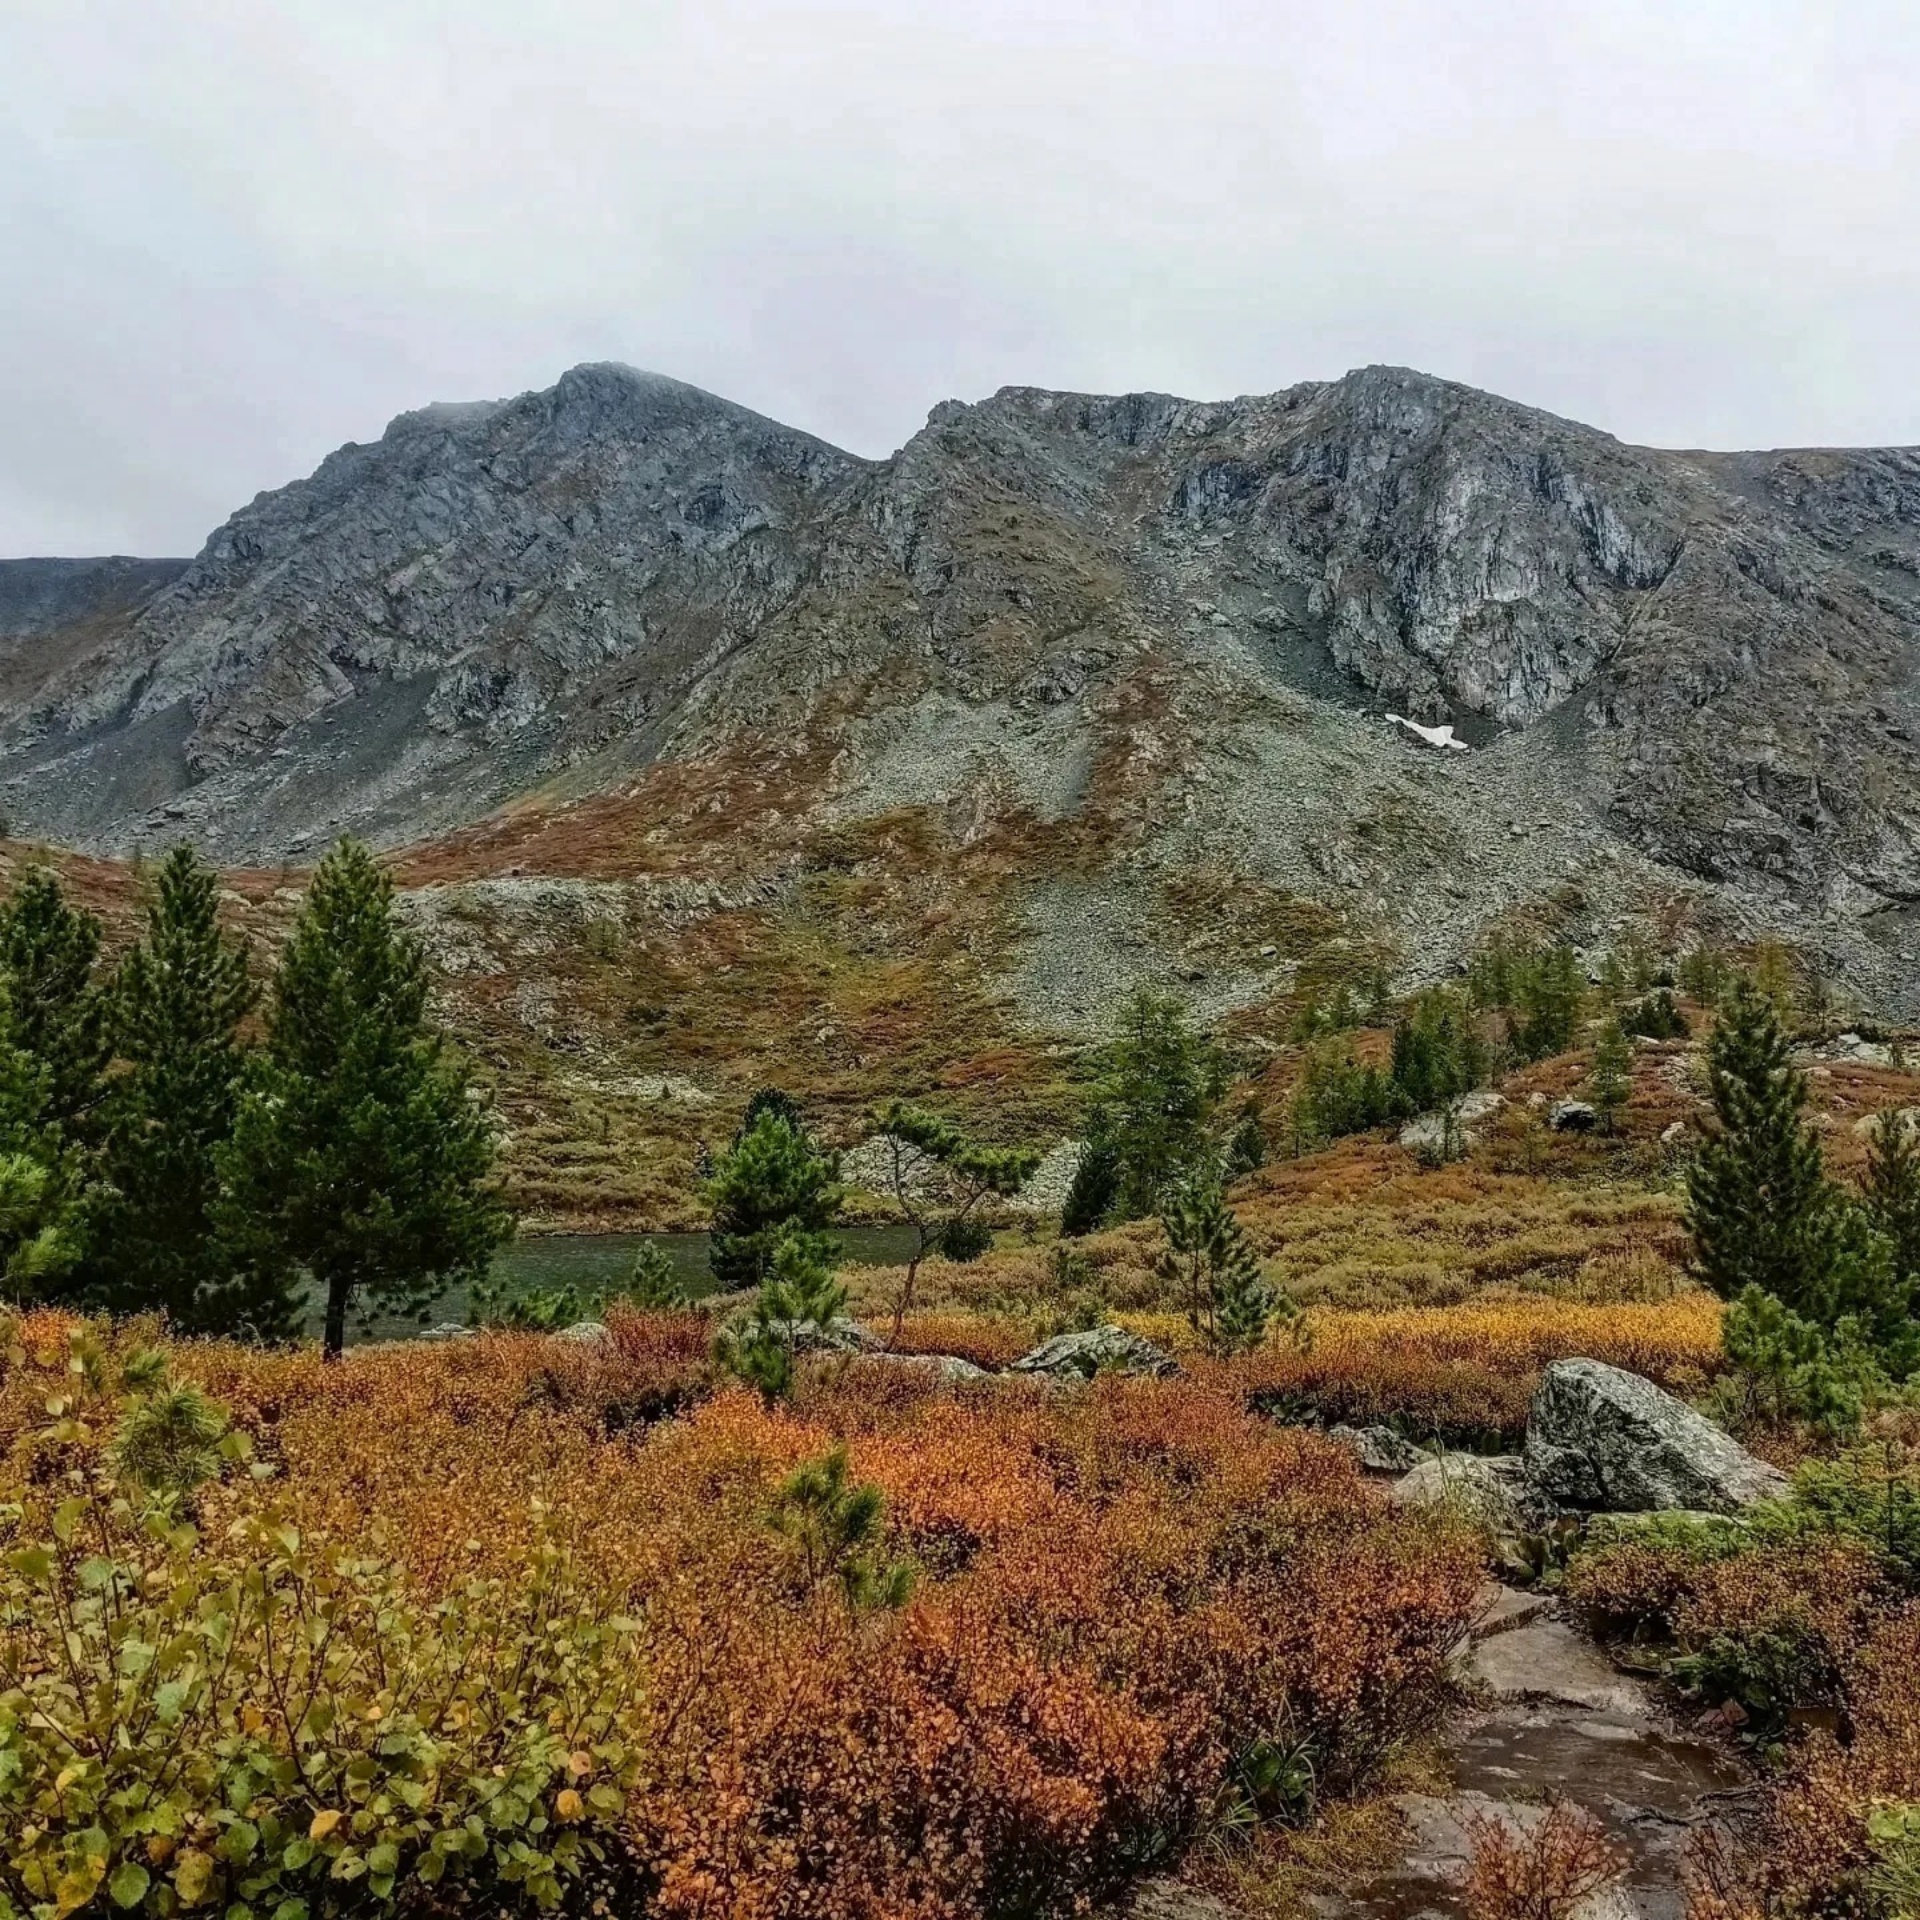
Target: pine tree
(358,1154)
(1095,1186)
(937,1177)
(1437,1056)
(1162,1081)
(1892,1191)
(775,1180)
(799,1295)
(42,1217)
(1610,1079)
(1759,1203)
(1547,996)
(1211,1263)
(48,950)
(176,1010)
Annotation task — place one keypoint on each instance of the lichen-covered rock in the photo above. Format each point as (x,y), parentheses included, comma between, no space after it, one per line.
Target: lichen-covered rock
(1602,1438)
(1458,1127)
(1104,1349)
(948,1369)
(584,1333)
(1495,1490)
(839,1335)
(1379,1449)
(1574,1116)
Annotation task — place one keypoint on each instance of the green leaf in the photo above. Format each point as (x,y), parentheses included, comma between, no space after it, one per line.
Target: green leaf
(31,1563)
(129,1884)
(385,1858)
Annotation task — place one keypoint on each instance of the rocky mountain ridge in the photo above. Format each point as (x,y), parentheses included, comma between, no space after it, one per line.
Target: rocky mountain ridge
(1163,634)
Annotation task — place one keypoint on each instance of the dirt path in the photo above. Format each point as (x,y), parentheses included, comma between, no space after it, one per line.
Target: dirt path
(1560,1721)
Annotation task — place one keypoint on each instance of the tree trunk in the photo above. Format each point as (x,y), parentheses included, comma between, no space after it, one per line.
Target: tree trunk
(905,1300)
(339,1287)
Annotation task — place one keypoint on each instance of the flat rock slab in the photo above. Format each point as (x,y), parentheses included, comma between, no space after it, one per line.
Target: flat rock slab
(1546,1660)
(1499,1609)
(1170,1900)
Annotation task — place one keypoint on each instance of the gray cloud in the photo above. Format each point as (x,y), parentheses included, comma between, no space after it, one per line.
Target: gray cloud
(238,232)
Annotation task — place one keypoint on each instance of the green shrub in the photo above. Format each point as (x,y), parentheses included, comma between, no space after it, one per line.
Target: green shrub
(964,1239)
(1656,1017)
(253,1725)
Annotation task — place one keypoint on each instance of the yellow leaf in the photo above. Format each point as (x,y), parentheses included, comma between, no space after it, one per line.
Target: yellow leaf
(160,1848)
(579,1763)
(73,1890)
(568,1805)
(323,1823)
(193,1876)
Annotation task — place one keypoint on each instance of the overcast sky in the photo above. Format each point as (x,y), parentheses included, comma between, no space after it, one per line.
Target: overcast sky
(235,233)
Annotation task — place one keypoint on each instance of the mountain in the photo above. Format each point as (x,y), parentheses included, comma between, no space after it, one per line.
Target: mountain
(1106,646)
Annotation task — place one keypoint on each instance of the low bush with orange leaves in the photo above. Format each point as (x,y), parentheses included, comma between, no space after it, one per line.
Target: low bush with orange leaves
(1467,1373)
(1839,1828)
(1115,1593)
(1544,1871)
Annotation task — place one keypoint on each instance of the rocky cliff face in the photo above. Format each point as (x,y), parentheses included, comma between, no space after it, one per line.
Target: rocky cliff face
(1674,671)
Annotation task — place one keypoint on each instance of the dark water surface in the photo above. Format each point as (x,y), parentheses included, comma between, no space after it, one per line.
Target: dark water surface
(594,1259)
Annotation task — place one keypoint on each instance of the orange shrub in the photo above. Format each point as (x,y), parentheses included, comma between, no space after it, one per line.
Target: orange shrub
(1816,1849)
(1117,1589)
(1470,1371)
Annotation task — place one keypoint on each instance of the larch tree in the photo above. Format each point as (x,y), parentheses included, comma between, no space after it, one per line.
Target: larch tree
(358,1154)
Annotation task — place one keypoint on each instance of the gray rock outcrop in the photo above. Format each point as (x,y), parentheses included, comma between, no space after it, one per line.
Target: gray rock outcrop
(1379,1449)
(1604,1439)
(1694,664)
(1495,1490)
(1104,1349)
(1459,1127)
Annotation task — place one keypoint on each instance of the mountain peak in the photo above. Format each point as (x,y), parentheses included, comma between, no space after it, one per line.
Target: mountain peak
(1179,618)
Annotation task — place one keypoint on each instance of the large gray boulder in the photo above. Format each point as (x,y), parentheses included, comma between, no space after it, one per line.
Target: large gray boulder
(1104,1349)
(1602,1438)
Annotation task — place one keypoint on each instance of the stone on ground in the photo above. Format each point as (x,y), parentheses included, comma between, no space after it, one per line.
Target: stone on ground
(946,1368)
(1104,1349)
(1492,1490)
(1548,1660)
(1602,1438)
(1379,1449)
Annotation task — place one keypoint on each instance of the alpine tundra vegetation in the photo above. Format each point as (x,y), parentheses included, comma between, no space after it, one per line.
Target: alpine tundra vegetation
(1230,1088)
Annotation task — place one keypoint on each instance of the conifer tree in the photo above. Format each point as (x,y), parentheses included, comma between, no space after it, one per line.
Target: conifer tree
(1547,996)
(41,1196)
(1095,1186)
(773,1182)
(1759,1203)
(1437,1056)
(1162,1081)
(176,1009)
(1892,1192)
(48,950)
(1610,1079)
(357,1154)
(1212,1264)
(937,1177)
